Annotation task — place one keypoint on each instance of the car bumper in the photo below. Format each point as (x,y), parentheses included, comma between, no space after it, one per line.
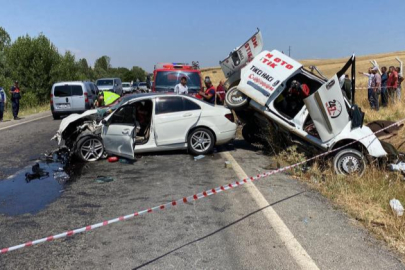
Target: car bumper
(225,137)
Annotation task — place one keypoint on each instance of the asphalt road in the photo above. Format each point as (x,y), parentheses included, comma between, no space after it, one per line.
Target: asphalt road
(226,231)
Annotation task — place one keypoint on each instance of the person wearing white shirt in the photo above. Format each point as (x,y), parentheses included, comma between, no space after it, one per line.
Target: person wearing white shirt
(370,76)
(181,88)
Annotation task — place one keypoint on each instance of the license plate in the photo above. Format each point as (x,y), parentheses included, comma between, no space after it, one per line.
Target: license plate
(64,106)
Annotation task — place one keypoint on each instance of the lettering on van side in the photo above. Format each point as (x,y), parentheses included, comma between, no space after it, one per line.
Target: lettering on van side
(262,74)
(334,108)
(273,63)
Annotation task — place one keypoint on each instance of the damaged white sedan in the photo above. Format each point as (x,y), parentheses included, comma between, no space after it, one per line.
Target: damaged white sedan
(147,123)
(268,89)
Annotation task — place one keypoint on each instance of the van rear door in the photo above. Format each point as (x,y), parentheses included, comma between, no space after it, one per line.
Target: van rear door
(78,98)
(327,109)
(62,98)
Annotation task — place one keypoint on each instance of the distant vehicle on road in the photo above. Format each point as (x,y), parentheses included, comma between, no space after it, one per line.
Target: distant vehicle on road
(110,84)
(168,75)
(127,88)
(72,97)
(142,87)
(142,123)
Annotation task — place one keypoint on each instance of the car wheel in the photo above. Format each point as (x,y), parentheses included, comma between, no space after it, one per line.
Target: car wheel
(349,161)
(56,116)
(235,99)
(90,148)
(201,141)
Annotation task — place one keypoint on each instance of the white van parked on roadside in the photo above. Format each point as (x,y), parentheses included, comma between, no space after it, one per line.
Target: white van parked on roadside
(72,97)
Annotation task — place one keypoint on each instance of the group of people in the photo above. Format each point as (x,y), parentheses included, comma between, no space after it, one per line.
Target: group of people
(211,94)
(15,94)
(386,83)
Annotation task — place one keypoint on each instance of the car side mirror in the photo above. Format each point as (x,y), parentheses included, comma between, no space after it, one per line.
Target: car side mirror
(104,122)
(116,84)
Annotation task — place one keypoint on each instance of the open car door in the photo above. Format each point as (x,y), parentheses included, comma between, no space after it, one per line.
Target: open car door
(328,110)
(265,73)
(241,56)
(118,133)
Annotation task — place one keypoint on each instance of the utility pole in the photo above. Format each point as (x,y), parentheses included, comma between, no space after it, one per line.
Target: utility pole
(289,51)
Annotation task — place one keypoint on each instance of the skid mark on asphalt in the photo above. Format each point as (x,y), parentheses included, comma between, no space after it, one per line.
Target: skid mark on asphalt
(293,246)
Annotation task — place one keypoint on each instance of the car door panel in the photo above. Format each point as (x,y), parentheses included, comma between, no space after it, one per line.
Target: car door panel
(119,140)
(328,110)
(118,133)
(172,127)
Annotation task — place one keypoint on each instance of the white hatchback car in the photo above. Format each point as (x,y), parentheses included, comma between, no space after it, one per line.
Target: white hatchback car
(147,123)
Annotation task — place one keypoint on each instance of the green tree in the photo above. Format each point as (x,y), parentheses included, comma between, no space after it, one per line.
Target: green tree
(31,61)
(138,73)
(102,66)
(5,39)
(85,71)
(66,69)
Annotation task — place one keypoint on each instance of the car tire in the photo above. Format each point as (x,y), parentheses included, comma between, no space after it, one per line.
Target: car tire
(56,116)
(201,141)
(90,148)
(349,161)
(235,99)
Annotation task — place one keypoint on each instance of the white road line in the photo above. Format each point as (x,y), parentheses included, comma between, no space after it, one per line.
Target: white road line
(24,122)
(293,246)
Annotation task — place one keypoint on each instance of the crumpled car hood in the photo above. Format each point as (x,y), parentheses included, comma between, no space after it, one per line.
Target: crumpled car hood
(69,120)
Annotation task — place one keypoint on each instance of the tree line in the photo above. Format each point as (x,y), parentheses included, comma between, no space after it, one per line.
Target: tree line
(36,63)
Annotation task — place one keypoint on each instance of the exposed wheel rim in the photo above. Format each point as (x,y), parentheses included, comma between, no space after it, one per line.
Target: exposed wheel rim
(236,97)
(201,141)
(91,150)
(350,164)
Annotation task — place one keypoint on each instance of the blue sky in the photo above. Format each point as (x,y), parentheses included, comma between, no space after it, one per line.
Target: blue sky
(146,32)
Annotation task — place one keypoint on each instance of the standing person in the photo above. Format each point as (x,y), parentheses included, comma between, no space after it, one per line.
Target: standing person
(370,76)
(209,94)
(376,86)
(384,91)
(400,80)
(181,88)
(3,103)
(220,92)
(392,84)
(15,100)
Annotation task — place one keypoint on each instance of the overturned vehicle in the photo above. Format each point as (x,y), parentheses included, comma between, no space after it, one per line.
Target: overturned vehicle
(141,123)
(268,89)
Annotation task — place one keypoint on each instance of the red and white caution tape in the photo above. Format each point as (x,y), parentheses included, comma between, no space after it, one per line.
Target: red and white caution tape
(183,200)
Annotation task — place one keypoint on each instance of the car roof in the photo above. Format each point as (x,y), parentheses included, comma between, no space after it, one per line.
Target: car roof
(107,79)
(70,82)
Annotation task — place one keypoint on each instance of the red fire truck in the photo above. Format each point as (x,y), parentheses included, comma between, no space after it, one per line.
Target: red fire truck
(168,75)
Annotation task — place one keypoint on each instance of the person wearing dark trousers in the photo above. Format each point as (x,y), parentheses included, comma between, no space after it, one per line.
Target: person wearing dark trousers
(3,103)
(384,91)
(376,89)
(15,99)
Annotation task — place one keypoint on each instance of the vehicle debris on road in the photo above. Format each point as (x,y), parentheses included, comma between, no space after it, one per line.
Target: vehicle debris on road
(397,207)
(104,179)
(199,157)
(37,173)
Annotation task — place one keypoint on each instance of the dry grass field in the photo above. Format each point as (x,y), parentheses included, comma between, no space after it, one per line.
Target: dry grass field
(365,198)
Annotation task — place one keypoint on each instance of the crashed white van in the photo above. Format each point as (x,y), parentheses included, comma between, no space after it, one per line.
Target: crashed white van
(260,94)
